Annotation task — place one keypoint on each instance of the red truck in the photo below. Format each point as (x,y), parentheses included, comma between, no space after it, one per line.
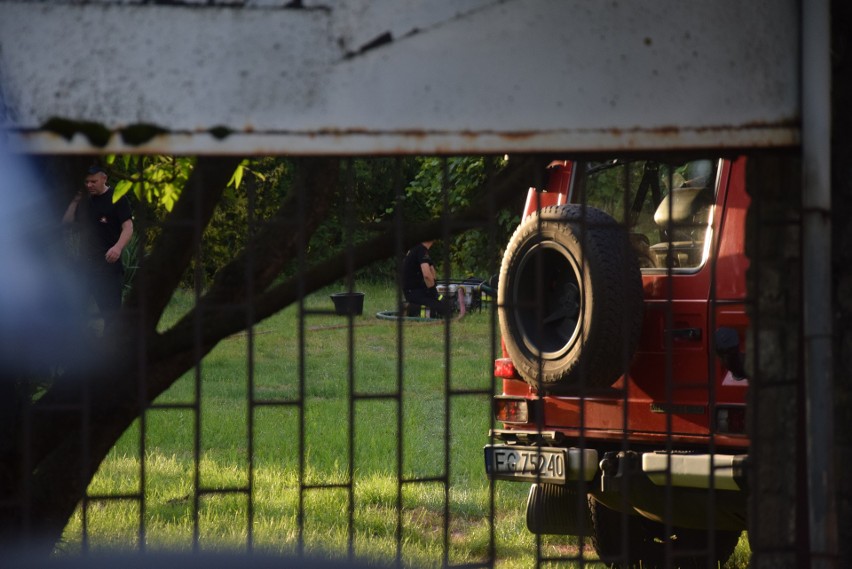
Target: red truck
(621,303)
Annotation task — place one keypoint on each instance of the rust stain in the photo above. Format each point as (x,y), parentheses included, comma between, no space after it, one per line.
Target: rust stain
(147,138)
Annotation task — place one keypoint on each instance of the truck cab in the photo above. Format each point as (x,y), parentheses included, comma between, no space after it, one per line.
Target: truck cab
(621,303)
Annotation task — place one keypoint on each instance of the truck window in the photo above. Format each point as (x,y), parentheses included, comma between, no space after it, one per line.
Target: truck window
(667,208)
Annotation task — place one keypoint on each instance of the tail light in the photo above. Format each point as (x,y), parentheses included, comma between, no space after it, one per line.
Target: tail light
(511,410)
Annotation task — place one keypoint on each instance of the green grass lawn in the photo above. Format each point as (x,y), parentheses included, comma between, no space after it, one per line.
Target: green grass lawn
(400,426)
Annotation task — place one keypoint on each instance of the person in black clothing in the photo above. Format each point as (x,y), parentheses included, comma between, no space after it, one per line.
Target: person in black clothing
(106,228)
(419,280)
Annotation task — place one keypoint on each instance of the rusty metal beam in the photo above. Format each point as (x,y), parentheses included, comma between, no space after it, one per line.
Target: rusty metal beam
(390,76)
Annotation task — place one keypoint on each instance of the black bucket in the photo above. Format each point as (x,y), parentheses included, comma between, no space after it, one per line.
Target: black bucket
(346,303)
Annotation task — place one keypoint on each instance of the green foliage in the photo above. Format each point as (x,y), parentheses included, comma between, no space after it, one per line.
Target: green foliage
(461,177)
(373,190)
(253,196)
(450,185)
(155,180)
(366,206)
(130,260)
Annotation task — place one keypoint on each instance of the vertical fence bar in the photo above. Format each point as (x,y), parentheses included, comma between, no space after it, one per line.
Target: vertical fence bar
(492,350)
(250,359)
(197,368)
(349,237)
(445,476)
(141,359)
(398,224)
(302,267)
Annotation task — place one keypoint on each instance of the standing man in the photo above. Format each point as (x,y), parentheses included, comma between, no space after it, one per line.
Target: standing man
(106,228)
(419,280)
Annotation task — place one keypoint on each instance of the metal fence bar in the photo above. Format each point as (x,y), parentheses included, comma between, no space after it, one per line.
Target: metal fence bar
(250,365)
(445,478)
(139,254)
(197,372)
(399,253)
(348,233)
(302,264)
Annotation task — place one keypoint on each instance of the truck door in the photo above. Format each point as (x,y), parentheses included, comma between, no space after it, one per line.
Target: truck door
(673,214)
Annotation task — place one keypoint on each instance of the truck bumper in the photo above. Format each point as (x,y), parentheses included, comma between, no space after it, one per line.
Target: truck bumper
(706,471)
(688,490)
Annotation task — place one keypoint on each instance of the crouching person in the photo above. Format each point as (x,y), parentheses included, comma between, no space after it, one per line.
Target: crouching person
(419,283)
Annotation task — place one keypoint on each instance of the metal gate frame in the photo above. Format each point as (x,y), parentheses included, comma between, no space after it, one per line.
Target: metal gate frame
(42,111)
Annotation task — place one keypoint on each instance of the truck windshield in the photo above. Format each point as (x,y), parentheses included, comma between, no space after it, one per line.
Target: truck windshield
(667,208)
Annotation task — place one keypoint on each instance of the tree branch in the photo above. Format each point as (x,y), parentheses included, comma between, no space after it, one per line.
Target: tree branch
(276,243)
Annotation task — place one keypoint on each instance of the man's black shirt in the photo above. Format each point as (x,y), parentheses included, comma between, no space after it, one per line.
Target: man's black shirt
(101,223)
(412,273)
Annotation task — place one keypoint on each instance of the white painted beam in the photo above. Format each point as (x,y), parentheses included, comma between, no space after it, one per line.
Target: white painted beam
(458,76)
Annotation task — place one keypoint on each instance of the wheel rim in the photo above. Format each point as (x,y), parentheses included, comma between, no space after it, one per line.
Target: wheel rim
(549,311)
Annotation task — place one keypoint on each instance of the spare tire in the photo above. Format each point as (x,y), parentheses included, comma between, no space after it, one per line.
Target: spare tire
(570,299)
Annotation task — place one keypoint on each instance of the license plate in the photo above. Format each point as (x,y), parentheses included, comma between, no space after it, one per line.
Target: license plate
(526,463)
